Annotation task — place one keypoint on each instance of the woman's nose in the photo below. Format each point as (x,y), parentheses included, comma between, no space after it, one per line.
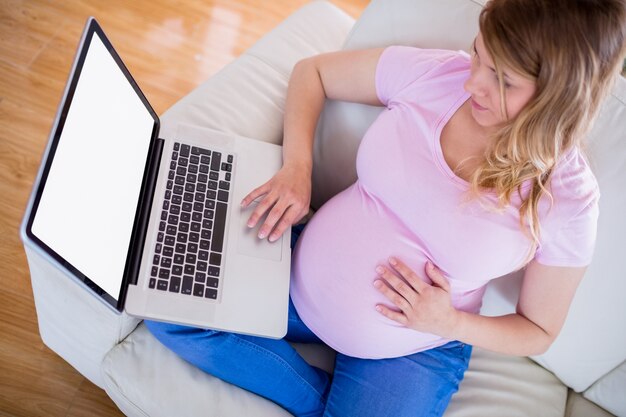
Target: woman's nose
(474,85)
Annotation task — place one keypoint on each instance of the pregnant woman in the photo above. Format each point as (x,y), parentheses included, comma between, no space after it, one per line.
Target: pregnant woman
(474,169)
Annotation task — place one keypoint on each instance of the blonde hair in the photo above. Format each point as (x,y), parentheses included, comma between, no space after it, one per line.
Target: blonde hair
(573,50)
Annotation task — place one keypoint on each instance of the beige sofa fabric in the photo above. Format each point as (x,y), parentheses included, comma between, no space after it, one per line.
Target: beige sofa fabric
(74,324)
(144,378)
(610,391)
(577,406)
(498,385)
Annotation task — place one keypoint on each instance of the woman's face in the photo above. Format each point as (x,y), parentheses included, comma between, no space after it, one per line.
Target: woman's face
(484,88)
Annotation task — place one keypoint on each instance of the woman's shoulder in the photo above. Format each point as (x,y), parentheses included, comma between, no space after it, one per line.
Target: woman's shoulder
(414,57)
(402,69)
(568,232)
(573,184)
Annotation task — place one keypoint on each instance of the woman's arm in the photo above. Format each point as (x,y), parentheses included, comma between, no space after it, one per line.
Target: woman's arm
(544,301)
(347,76)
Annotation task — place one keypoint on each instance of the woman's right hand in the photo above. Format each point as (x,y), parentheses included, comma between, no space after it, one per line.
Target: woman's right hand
(286,197)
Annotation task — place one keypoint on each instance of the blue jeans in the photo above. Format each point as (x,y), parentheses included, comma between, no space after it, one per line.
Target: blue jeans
(416,385)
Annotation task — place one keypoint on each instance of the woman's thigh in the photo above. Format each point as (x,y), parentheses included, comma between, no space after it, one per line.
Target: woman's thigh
(418,385)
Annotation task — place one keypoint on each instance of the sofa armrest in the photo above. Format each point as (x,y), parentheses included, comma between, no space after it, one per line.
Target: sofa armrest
(72,322)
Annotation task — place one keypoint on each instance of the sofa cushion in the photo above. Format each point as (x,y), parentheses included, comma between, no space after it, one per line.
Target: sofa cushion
(498,385)
(144,378)
(593,340)
(578,406)
(609,391)
(72,322)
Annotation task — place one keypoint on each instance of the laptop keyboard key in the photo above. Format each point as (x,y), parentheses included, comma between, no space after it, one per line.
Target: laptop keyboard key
(216,161)
(215,259)
(210,293)
(175,284)
(222,195)
(198,290)
(217,242)
(187,284)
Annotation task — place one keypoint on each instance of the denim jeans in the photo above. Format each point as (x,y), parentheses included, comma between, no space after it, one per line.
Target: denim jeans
(416,385)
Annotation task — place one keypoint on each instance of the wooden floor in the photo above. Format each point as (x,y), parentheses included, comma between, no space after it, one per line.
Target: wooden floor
(170,46)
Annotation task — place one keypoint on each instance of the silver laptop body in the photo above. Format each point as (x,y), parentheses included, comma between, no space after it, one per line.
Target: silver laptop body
(108,235)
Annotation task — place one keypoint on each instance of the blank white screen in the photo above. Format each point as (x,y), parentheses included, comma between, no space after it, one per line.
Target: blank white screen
(88,205)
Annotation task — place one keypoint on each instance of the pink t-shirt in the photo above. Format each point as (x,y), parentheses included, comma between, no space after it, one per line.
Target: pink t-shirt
(407,203)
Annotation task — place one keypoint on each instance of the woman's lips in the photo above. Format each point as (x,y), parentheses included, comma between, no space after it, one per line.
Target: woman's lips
(477,106)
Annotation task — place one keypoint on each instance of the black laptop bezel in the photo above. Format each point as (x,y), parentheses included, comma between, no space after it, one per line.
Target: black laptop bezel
(149,178)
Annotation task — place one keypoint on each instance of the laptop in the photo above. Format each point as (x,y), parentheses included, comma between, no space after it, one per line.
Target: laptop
(151,223)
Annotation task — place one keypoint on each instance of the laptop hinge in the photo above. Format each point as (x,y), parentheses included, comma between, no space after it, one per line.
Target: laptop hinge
(135,249)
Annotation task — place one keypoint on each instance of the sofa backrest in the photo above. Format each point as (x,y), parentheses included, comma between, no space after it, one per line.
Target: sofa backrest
(593,340)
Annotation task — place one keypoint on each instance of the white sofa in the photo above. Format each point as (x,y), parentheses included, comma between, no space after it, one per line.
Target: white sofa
(582,375)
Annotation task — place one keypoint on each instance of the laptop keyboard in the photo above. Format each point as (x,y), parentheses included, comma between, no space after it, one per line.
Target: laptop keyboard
(190,242)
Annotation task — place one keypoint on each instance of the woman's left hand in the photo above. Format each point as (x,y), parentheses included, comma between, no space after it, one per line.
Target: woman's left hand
(422,307)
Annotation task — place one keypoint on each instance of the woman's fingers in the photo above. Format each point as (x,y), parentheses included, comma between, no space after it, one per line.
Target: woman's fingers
(396,290)
(281,214)
(290,216)
(437,277)
(254,194)
(275,214)
(282,201)
(408,274)
(261,208)
(391,314)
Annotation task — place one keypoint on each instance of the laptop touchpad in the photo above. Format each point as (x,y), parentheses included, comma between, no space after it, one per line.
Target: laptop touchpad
(249,243)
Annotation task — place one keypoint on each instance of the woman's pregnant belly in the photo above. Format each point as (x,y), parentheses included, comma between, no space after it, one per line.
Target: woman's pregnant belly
(333,272)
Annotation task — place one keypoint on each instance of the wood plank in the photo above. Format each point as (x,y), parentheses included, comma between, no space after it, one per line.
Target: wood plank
(91,401)
(34,381)
(25,28)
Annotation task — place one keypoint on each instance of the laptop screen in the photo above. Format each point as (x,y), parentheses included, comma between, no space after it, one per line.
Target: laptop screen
(89,192)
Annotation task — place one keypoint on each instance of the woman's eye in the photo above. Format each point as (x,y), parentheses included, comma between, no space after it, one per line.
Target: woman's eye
(506,84)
